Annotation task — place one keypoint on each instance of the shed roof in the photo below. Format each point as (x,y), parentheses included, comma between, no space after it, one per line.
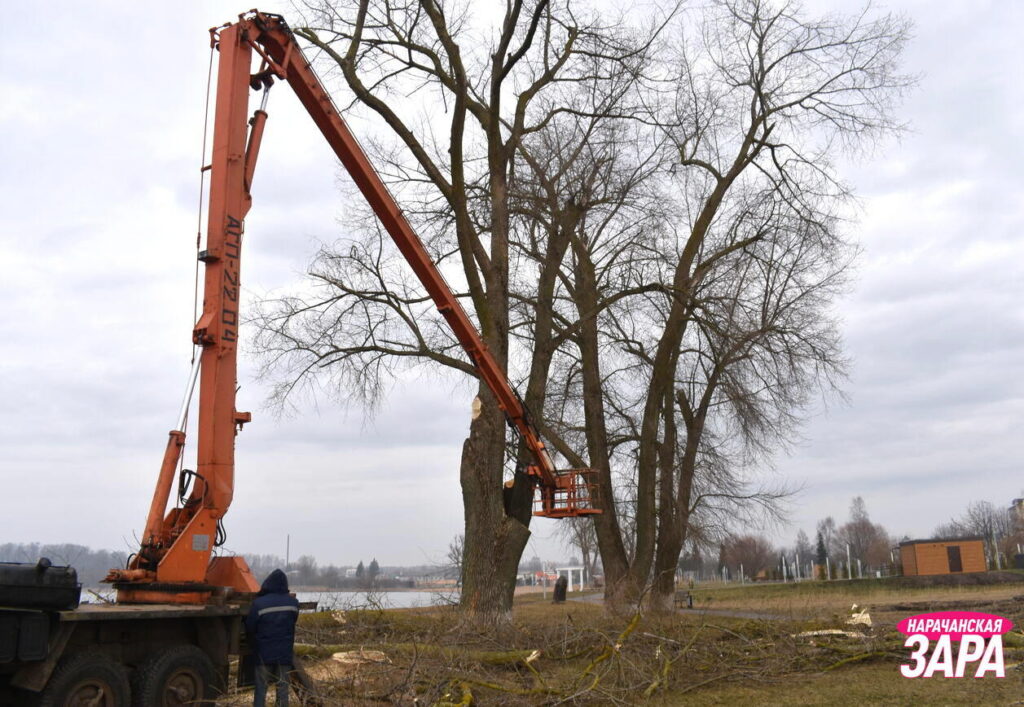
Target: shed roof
(963,538)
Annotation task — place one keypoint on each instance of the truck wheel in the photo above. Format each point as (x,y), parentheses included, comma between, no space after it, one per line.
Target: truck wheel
(181,675)
(87,679)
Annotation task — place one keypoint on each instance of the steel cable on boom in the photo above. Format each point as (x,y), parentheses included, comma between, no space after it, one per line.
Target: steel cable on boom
(199,229)
(202,191)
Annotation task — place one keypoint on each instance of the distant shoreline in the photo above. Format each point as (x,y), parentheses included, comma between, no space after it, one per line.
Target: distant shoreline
(373,590)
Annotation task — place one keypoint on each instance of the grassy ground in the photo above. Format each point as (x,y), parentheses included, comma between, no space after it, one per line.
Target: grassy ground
(886,597)
(577,653)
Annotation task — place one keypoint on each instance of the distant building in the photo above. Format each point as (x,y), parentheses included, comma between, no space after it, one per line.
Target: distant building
(947,556)
(1017,509)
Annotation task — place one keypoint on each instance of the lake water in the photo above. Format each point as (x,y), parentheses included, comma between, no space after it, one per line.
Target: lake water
(333,601)
(384,600)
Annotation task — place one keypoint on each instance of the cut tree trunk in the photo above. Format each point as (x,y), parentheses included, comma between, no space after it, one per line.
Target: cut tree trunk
(494,541)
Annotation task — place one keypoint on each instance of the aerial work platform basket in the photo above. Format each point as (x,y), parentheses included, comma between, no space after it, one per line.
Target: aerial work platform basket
(576,493)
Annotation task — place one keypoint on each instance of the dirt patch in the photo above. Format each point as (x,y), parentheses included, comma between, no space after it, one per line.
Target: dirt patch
(971,579)
(1004,607)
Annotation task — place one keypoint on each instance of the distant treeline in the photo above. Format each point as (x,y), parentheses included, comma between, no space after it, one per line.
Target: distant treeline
(304,572)
(92,565)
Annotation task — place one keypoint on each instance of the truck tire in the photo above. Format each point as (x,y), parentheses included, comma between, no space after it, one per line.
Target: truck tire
(87,679)
(180,675)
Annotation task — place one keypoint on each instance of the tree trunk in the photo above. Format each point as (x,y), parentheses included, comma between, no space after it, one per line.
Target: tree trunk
(672,533)
(519,500)
(494,541)
(618,589)
(670,543)
(663,589)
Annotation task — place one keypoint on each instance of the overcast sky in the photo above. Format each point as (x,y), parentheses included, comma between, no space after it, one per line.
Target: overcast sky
(101,109)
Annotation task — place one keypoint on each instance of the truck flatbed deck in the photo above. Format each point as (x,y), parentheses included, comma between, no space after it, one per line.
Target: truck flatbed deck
(113,612)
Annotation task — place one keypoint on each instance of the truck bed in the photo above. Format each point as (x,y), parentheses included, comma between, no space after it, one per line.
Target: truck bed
(110,612)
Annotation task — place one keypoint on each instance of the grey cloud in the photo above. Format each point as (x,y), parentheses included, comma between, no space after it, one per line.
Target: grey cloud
(97,234)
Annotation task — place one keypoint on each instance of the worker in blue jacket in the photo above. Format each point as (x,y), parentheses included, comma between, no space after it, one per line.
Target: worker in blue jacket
(271,628)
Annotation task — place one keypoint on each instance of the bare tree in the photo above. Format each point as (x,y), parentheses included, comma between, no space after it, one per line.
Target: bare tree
(734,335)
(749,554)
(826,529)
(867,542)
(803,547)
(652,247)
(364,321)
(945,531)
(983,519)
(305,571)
(453,560)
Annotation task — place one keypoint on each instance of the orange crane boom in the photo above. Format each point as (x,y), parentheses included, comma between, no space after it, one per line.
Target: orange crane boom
(174,561)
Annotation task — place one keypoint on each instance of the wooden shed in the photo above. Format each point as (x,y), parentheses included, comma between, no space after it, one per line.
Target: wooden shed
(947,556)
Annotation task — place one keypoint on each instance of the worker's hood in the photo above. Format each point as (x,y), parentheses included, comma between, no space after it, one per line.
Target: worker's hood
(275,583)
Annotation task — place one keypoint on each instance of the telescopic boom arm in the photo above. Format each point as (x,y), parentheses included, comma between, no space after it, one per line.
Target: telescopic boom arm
(285,60)
(176,548)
